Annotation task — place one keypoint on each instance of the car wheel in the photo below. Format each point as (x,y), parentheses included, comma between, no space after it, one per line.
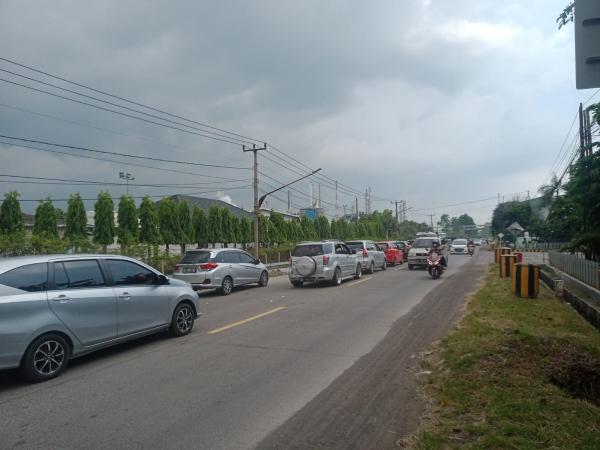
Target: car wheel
(45,358)
(264,279)
(372,267)
(182,321)
(384,266)
(226,286)
(358,274)
(337,277)
(297,284)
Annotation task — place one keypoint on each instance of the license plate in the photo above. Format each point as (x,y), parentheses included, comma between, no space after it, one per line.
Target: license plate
(189,270)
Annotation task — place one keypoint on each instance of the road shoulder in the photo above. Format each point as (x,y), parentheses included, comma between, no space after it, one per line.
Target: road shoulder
(374,403)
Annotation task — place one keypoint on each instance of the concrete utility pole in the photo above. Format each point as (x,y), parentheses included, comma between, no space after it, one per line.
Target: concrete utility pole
(255,150)
(357,209)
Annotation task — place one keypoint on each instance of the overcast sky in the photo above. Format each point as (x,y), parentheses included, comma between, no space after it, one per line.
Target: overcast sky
(435,102)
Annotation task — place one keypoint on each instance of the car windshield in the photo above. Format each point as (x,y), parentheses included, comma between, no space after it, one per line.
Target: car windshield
(195,258)
(308,250)
(424,242)
(383,245)
(459,242)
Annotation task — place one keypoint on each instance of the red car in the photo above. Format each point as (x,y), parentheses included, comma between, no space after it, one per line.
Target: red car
(393,255)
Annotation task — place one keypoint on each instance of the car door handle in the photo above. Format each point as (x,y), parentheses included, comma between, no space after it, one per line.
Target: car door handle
(125,296)
(61,299)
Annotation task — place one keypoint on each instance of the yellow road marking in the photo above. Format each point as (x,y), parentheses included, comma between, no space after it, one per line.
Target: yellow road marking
(242,322)
(362,280)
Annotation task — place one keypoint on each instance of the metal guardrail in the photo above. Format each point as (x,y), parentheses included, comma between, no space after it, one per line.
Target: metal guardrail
(582,269)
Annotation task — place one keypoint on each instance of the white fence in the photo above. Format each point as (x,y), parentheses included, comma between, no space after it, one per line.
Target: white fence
(582,269)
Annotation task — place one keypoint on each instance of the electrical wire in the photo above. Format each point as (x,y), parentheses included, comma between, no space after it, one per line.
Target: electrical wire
(128,164)
(125,155)
(154,116)
(125,99)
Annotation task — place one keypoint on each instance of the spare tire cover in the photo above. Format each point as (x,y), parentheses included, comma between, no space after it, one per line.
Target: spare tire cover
(306,266)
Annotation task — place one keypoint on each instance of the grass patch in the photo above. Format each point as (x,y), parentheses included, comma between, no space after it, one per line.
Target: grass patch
(516,374)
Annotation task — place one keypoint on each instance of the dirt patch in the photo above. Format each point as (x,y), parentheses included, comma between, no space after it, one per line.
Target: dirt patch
(576,373)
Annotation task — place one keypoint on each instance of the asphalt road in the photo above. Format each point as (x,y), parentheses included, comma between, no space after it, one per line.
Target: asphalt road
(253,360)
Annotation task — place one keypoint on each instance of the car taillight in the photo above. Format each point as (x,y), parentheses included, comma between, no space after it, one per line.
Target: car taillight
(177,267)
(208,266)
(364,253)
(325,260)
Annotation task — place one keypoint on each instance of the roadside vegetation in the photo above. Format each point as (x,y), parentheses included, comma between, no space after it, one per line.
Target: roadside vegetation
(516,374)
(140,231)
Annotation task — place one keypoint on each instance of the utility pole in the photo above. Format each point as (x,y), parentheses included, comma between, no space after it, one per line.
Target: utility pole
(345,208)
(255,150)
(337,205)
(431,219)
(289,201)
(581,132)
(357,209)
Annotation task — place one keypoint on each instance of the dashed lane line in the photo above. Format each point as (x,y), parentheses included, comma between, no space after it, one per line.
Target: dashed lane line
(362,280)
(245,321)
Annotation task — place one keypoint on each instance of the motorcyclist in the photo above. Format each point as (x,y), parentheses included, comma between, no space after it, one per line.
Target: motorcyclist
(435,248)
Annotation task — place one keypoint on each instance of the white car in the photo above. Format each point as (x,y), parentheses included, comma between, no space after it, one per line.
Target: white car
(459,247)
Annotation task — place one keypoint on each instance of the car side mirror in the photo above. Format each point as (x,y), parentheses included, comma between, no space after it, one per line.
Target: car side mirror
(257,261)
(162,279)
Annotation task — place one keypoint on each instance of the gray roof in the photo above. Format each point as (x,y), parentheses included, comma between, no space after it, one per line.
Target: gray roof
(206,203)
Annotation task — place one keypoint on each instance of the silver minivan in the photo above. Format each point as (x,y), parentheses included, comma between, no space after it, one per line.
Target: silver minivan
(56,307)
(221,269)
(369,254)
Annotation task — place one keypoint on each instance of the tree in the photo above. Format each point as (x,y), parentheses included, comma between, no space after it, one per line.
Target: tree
(104,221)
(214,225)
(277,227)
(149,231)
(200,223)
(11,217)
(567,15)
(234,223)
(228,233)
(308,229)
(45,226)
(186,228)
(547,191)
(444,223)
(76,219)
(168,223)
(245,231)
(128,228)
(322,227)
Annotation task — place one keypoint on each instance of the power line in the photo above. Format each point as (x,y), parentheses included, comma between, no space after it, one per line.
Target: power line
(154,116)
(118,112)
(106,183)
(162,169)
(149,158)
(126,100)
(104,130)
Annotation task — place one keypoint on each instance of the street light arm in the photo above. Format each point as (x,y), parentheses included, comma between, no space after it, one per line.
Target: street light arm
(262,199)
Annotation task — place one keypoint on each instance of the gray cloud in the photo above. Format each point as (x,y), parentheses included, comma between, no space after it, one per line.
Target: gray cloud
(383,94)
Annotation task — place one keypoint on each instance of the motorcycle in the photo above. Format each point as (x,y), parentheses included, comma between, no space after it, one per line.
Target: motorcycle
(435,266)
(471,249)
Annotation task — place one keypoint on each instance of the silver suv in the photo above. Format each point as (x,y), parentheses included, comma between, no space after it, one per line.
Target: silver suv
(221,269)
(371,257)
(57,307)
(331,261)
